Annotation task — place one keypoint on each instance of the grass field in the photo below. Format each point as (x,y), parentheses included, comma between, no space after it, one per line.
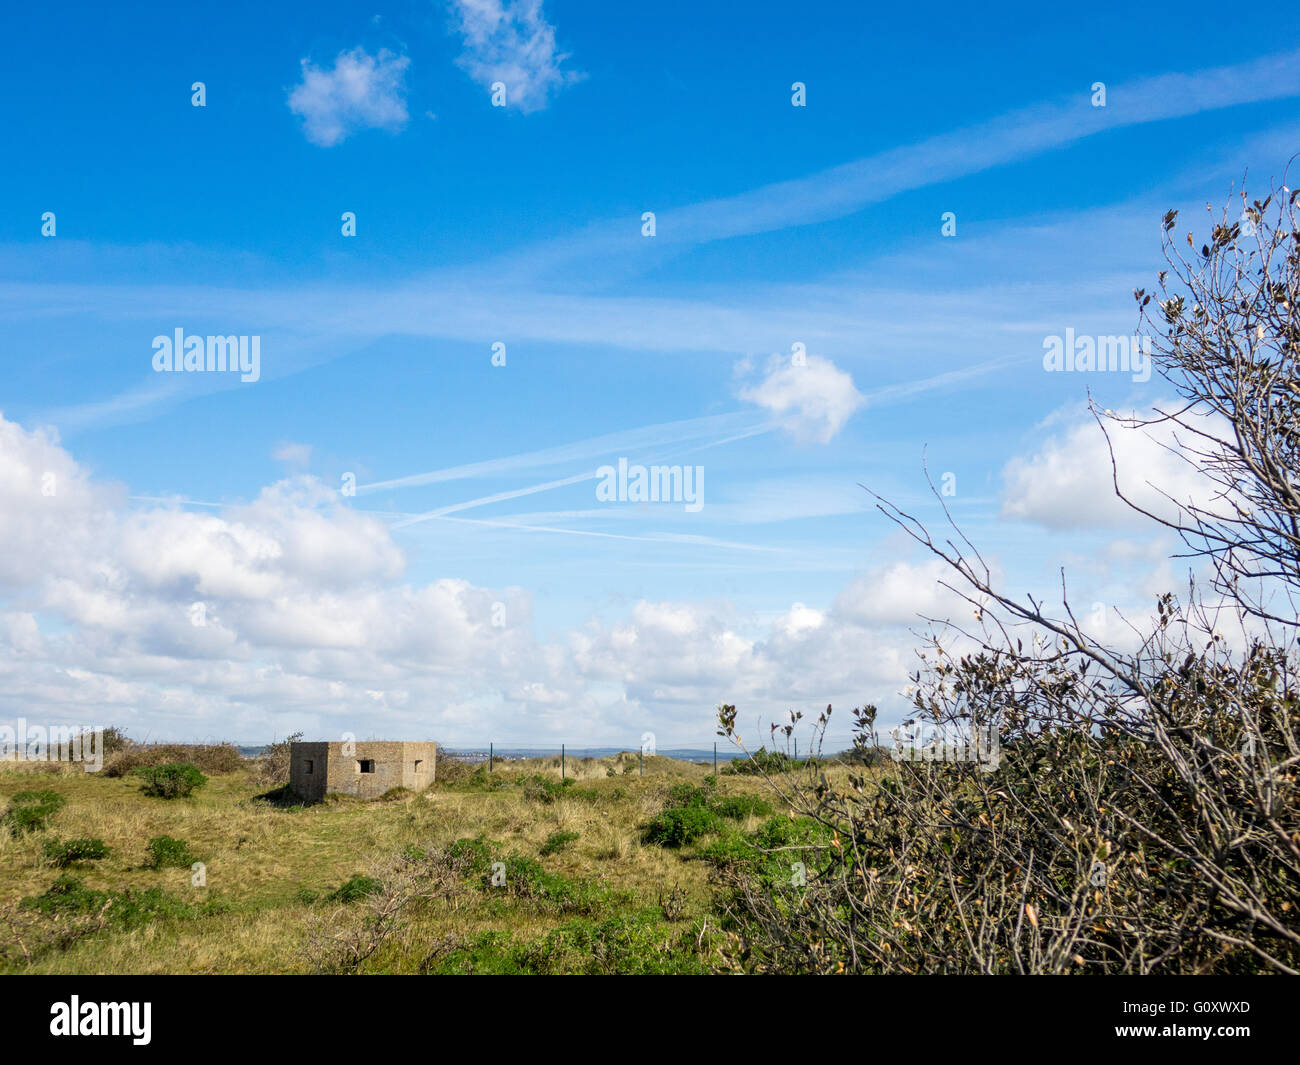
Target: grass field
(576,888)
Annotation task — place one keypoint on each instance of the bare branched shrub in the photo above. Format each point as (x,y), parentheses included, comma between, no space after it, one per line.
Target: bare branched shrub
(343,940)
(1143,814)
(271,770)
(26,936)
(209,757)
(1229,343)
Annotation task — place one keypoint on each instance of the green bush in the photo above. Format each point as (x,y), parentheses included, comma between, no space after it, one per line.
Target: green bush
(738,807)
(131,908)
(29,811)
(538,788)
(64,853)
(526,879)
(730,848)
(632,944)
(636,943)
(355,888)
(763,762)
(557,841)
(175,780)
(688,795)
(767,855)
(490,953)
(168,853)
(475,853)
(679,825)
(479,780)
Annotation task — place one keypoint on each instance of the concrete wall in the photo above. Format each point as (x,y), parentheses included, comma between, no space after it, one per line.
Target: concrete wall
(319,769)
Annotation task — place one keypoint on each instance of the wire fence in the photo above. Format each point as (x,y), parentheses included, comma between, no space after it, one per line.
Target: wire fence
(578,759)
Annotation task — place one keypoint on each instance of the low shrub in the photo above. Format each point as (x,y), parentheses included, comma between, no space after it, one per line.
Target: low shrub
(730,848)
(490,953)
(526,879)
(64,853)
(452,771)
(213,758)
(168,853)
(739,807)
(679,825)
(635,944)
(763,762)
(177,780)
(271,767)
(30,811)
(479,779)
(132,908)
(689,795)
(475,853)
(538,788)
(355,888)
(556,842)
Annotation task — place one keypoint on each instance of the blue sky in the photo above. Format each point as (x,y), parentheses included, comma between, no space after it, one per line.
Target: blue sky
(461,593)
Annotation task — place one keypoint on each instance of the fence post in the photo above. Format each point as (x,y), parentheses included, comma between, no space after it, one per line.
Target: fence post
(715,758)
(490,752)
(640,761)
(796,748)
(561,761)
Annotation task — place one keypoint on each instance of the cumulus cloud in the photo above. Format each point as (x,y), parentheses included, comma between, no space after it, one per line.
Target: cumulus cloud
(1069,482)
(362,91)
(812,398)
(903,593)
(514,44)
(294,611)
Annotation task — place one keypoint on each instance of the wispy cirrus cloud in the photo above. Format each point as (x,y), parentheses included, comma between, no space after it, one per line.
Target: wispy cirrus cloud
(514,44)
(361,91)
(292,454)
(508,294)
(849,187)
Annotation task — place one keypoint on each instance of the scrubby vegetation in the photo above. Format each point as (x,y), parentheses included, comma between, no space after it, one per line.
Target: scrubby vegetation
(30,811)
(556,842)
(1143,815)
(129,758)
(172,780)
(63,853)
(168,853)
(271,769)
(510,871)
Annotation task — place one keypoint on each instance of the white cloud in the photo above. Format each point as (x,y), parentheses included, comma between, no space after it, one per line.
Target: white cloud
(812,399)
(361,92)
(310,622)
(514,44)
(292,454)
(902,593)
(1069,482)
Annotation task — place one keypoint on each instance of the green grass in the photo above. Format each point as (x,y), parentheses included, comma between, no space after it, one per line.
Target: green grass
(580,890)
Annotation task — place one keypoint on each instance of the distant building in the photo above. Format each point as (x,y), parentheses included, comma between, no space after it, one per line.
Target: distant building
(369,769)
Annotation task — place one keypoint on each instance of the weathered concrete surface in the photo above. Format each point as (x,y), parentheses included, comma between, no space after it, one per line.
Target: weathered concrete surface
(371,768)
